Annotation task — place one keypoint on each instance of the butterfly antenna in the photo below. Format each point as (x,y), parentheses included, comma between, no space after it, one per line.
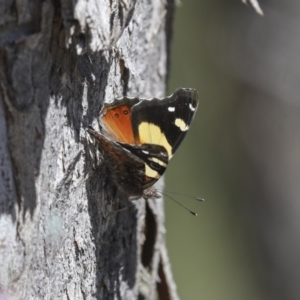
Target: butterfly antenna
(188,196)
(168,196)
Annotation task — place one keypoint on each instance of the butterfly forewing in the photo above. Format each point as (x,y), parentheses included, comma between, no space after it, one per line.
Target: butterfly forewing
(165,121)
(116,119)
(155,158)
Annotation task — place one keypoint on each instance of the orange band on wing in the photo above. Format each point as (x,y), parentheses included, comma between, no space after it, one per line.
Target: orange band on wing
(117,122)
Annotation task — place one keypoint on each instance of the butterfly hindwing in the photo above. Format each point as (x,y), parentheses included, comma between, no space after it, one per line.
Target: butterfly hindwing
(127,171)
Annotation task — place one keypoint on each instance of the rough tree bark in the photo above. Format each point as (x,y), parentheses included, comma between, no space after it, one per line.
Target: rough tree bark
(60,237)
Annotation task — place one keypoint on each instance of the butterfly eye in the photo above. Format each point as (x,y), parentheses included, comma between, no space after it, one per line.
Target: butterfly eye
(125,112)
(116,115)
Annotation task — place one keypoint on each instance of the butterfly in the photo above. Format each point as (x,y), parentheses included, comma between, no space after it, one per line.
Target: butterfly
(140,136)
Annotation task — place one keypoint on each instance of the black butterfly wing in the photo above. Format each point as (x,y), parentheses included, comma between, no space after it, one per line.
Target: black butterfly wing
(154,157)
(165,122)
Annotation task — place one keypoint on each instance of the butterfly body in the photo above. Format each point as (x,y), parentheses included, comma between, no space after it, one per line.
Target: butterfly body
(141,137)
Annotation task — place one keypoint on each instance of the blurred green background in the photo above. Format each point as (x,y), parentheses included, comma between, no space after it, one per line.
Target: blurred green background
(237,62)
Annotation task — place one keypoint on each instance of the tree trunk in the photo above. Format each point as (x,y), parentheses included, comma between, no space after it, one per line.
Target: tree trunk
(62,236)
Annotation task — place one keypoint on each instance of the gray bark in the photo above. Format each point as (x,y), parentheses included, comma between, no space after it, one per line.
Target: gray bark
(61,237)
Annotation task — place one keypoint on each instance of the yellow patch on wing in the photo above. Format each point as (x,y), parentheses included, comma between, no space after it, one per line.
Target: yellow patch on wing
(150,172)
(158,161)
(181,124)
(151,134)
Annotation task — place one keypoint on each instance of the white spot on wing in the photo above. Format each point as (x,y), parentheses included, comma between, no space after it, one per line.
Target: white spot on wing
(171,109)
(192,108)
(146,152)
